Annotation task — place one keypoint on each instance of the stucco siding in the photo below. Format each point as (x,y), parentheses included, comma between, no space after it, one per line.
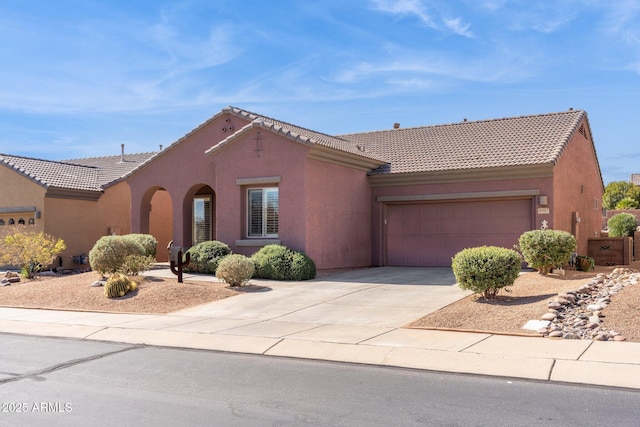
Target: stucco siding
(20,192)
(578,188)
(277,158)
(180,170)
(338,216)
(77,222)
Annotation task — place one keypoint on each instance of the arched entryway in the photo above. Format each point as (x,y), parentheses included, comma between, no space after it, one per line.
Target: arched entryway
(199,215)
(156,218)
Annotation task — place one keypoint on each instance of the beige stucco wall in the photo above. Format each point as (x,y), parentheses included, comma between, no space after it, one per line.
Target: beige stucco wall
(77,222)
(18,191)
(578,188)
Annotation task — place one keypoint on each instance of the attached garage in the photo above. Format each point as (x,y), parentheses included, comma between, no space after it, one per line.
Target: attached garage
(430,233)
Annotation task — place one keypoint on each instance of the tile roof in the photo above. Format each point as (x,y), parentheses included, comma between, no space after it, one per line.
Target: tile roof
(54,174)
(89,174)
(515,141)
(304,135)
(112,168)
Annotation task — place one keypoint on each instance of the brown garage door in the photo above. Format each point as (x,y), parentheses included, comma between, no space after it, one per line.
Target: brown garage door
(429,234)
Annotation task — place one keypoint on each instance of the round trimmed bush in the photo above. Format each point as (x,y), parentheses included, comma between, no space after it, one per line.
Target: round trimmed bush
(622,224)
(148,242)
(546,249)
(486,269)
(109,254)
(236,270)
(205,256)
(277,262)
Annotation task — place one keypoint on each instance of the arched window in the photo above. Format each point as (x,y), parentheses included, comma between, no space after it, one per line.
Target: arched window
(21,221)
(1,221)
(32,221)
(11,221)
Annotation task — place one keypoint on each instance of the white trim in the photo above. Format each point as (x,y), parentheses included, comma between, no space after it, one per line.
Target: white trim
(259,181)
(257,242)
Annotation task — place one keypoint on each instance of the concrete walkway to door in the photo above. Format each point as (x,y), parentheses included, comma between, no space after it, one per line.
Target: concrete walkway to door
(354,317)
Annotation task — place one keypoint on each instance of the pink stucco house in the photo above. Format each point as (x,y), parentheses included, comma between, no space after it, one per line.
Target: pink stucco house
(403,197)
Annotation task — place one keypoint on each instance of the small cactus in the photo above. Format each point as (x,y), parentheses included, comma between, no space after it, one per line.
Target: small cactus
(118,285)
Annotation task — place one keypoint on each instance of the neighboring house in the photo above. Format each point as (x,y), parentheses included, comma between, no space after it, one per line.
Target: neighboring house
(635,178)
(403,197)
(400,197)
(76,200)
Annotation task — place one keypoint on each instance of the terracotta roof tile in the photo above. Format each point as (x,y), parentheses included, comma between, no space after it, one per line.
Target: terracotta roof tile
(79,174)
(112,168)
(514,141)
(54,174)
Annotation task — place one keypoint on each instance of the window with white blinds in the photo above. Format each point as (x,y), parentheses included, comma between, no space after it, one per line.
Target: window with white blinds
(262,212)
(201,219)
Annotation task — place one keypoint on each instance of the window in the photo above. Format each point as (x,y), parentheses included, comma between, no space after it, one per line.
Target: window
(262,212)
(201,219)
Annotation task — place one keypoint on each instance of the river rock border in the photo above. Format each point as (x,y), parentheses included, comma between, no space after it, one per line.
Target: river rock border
(577,314)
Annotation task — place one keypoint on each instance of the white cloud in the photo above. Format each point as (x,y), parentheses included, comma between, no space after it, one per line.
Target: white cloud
(417,8)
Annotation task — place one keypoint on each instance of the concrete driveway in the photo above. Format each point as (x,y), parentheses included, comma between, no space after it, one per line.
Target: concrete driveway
(348,307)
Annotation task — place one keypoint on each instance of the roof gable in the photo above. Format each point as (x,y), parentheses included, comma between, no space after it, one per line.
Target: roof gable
(294,133)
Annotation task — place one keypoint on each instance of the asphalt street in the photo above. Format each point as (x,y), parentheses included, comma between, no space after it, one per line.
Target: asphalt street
(54,381)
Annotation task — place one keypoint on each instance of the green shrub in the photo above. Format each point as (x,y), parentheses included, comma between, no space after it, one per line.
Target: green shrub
(135,264)
(236,269)
(109,254)
(627,203)
(118,285)
(546,249)
(206,256)
(148,242)
(622,224)
(302,267)
(277,262)
(486,269)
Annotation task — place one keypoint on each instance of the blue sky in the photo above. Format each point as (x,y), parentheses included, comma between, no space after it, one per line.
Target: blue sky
(78,78)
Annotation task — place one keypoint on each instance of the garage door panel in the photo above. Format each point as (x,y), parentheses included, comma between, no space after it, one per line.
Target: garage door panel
(430,234)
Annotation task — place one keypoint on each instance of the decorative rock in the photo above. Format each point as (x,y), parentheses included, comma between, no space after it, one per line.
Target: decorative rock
(561,300)
(594,320)
(577,314)
(98,283)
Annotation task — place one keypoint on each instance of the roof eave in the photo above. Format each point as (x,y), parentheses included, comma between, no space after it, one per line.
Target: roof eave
(71,193)
(463,175)
(343,158)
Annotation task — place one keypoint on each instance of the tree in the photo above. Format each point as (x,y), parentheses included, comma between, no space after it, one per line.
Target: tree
(615,191)
(30,250)
(627,203)
(622,224)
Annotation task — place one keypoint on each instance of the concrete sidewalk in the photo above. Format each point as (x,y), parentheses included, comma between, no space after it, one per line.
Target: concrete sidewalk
(354,317)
